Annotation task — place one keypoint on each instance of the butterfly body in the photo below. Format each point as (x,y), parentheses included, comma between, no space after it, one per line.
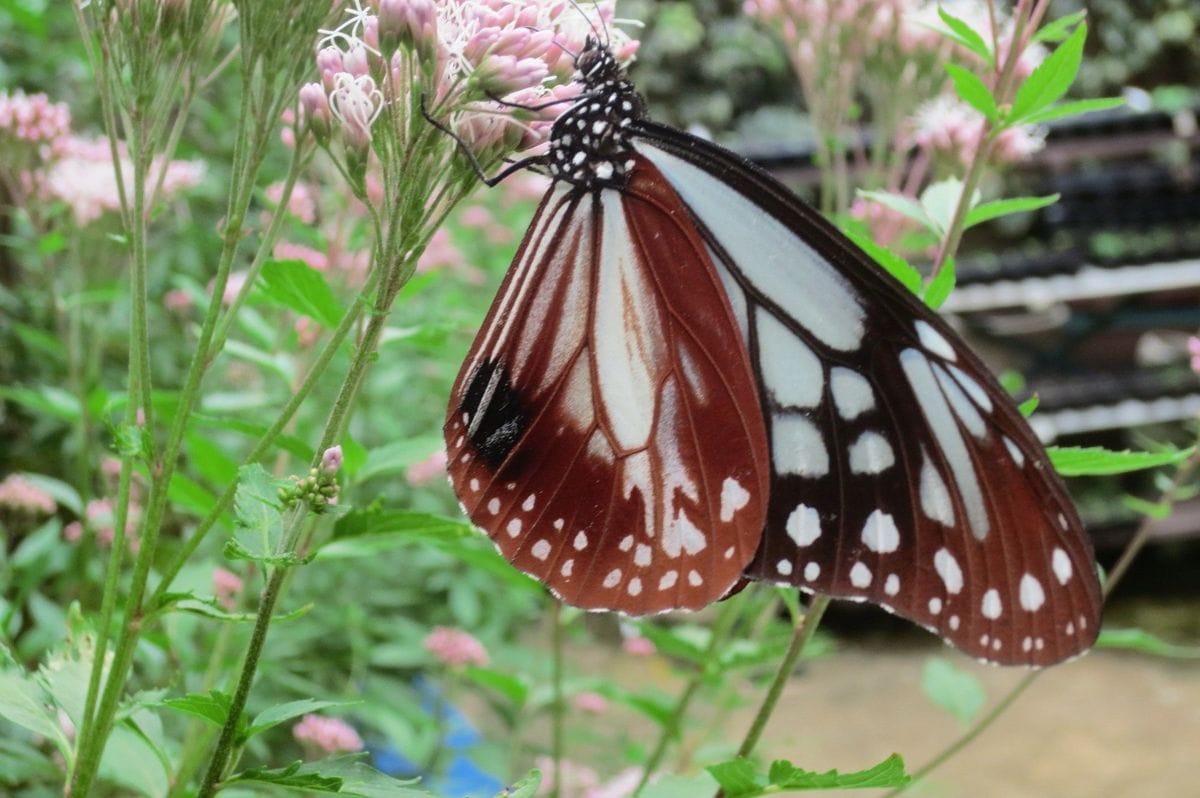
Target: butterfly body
(689,376)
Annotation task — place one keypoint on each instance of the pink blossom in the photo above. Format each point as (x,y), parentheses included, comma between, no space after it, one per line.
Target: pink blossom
(101,518)
(474,216)
(33,119)
(573,779)
(226,585)
(18,493)
(590,702)
(441,252)
(83,177)
(332,460)
(638,646)
(177,301)
(498,234)
(308,332)
(327,735)
(426,471)
(1193,345)
(73,532)
(302,203)
(620,786)
(525,186)
(286,250)
(233,287)
(455,647)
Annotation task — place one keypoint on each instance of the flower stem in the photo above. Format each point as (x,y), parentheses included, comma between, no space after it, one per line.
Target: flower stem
(731,611)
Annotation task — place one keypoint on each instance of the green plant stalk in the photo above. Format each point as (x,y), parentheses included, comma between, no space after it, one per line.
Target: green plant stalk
(95,726)
(341,409)
(1132,549)
(1025,20)
(557,708)
(163,469)
(731,612)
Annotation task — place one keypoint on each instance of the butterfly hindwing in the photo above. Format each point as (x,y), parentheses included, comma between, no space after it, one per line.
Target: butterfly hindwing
(604,428)
(901,473)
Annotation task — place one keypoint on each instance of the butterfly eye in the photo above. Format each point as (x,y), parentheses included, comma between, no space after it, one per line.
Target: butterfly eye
(689,379)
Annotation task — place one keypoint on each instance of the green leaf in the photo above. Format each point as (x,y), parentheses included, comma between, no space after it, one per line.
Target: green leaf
(1059,29)
(1155,510)
(290,777)
(959,31)
(212,707)
(365,533)
(511,687)
(1074,108)
(257,507)
(397,456)
(1029,405)
(280,713)
(680,787)
(740,778)
(345,775)
(1051,79)
(211,608)
(940,200)
(892,263)
(44,400)
(24,703)
(941,286)
(301,288)
(971,89)
(954,690)
(1146,643)
(525,788)
(903,205)
(1078,461)
(987,211)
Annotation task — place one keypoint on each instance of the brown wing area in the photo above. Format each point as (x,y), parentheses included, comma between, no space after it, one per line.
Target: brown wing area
(604,430)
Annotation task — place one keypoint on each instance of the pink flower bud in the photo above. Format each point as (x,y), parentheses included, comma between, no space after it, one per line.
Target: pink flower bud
(638,646)
(455,647)
(226,586)
(591,703)
(327,735)
(332,460)
(315,103)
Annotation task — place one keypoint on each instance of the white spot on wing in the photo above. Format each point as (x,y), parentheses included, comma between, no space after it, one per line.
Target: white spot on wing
(966,412)
(935,606)
(635,586)
(643,555)
(1032,594)
(804,525)
(568,567)
(695,579)
(514,527)
(733,498)
(812,571)
(852,394)
(934,342)
(668,580)
(860,575)
(871,454)
(581,541)
(973,388)
(612,578)
(891,585)
(493,506)
(541,550)
(527,505)
(769,255)
(784,567)
(991,606)
(947,568)
(791,372)
(879,533)
(797,447)
(935,498)
(626,543)
(1062,566)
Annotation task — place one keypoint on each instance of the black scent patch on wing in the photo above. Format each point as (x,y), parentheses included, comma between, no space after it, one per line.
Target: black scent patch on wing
(496,415)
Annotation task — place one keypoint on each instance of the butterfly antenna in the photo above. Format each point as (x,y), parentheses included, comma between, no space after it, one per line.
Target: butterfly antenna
(590,23)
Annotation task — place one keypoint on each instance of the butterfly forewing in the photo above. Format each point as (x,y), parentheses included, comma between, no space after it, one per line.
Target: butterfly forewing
(604,429)
(901,473)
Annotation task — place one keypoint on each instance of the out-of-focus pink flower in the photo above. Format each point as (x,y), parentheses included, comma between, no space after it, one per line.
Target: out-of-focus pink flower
(590,702)
(233,287)
(440,253)
(308,332)
(327,735)
(32,119)
(426,471)
(302,203)
(885,223)
(101,518)
(474,216)
(573,779)
(620,786)
(1018,143)
(498,234)
(18,493)
(287,250)
(83,177)
(638,646)
(525,186)
(1194,350)
(73,532)
(455,647)
(177,301)
(110,467)
(226,586)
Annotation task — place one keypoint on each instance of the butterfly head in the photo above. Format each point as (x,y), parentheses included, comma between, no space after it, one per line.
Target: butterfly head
(589,144)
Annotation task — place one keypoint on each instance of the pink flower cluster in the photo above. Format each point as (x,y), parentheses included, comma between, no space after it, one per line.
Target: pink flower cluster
(580,781)
(473,53)
(947,126)
(427,471)
(327,735)
(101,518)
(18,493)
(33,119)
(455,647)
(83,177)
(226,586)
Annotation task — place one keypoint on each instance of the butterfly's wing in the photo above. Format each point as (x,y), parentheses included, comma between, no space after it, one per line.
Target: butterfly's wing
(901,473)
(604,429)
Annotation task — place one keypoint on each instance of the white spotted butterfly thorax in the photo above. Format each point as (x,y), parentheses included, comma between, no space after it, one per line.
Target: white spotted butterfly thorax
(689,378)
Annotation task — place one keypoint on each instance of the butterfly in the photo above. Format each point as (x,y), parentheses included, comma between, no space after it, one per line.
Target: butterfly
(689,378)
